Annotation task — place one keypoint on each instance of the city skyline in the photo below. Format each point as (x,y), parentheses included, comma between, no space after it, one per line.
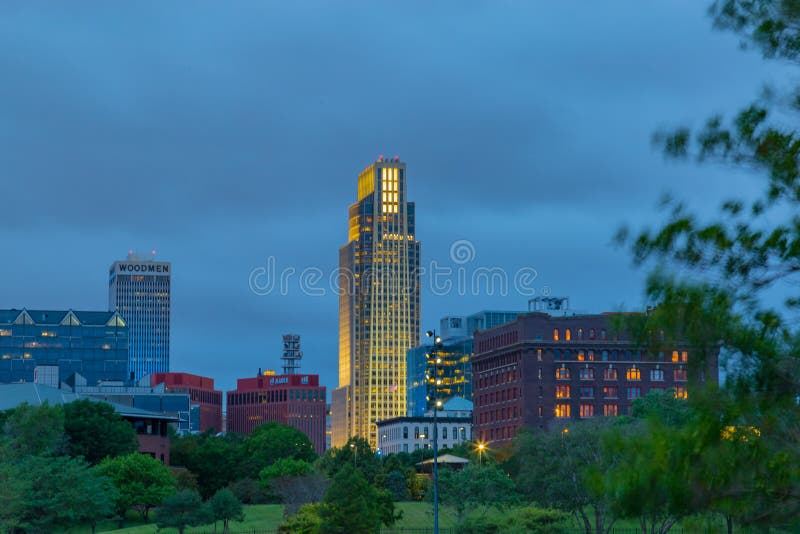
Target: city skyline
(524,157)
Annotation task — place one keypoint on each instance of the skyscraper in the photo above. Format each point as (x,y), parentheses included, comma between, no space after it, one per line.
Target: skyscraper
(378,304)
(139,289)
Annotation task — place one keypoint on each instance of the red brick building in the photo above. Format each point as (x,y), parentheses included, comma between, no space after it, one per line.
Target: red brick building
(201,392)
(295,400)
(541,369)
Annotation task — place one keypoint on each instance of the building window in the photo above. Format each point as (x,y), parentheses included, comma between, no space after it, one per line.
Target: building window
(580,333)
(581,356)
(587,410)
(590,355)
(540,373)
(684,356)
(405,432)
(591,333)
(680,375)
(562,410)
(610,392)
(568,334)
(634,392)
(633,374)
(676,356)
(587,392)
(539,354)
(603,334)
(562,392)
(444,432)
(587,373)
(681,393)
(610,374)
(416,432)
(562,373)
(540,411)
(555,334)
(657,375)
(610,410)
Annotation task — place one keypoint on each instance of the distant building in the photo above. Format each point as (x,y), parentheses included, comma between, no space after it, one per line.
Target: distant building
(151,427)
(139,288)
(60,343)
(201,394)
(455,351)
(295,400)
(542,369)
(378,305)
(407,434)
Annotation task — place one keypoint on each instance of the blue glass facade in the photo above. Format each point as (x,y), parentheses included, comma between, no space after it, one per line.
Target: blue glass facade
(455,373)
(92,344)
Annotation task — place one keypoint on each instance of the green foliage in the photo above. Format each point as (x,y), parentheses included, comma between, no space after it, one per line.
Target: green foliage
(183,509)
(142,482)
(397,484)
(272,441)
(95,431)
(662,406)
(353,506)
(249,491)
(356,453)
(225,506)
(475,488)
(60,492)
(217,461)
(284,468)
(306,521)
(35,430)
(554,468)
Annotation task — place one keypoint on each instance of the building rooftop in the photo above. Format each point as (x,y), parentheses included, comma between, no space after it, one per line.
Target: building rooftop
(57,317)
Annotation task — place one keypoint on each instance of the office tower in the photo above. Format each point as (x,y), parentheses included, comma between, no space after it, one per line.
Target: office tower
(50,346)
(294,400)
(378,304)
(139,289)
(542,370)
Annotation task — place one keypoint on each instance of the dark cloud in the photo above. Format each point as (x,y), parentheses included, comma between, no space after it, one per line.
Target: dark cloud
(224,135)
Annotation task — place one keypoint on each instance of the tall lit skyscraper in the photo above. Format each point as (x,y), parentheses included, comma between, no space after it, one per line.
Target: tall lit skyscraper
(378,304)
(139,289)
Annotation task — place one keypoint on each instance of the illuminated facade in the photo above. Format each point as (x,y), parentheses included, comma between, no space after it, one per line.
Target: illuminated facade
(378,304)
(47,346)
(139,289)
(544,369)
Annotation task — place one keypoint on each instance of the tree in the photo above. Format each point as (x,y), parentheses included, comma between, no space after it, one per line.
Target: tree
(181,510)
(353,506)
(95,431)
(397,485)
(729,283)
(272,441)
(142,482)
(14,487)
(306,521)
(36,430)
(356,453)
(475,488)
(284,468)
(226,507)
(60,492)
(553,469)
(217,461)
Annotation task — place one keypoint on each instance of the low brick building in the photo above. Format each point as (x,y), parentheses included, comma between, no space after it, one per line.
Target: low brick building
(201,393)
(543,368)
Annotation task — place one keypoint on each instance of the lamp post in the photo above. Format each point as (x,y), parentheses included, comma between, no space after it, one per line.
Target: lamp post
(436,361)
(481,446)
(355,453)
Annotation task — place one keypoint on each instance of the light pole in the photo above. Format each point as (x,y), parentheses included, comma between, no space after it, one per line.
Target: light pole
(436,361)
(355,453)
(481,446)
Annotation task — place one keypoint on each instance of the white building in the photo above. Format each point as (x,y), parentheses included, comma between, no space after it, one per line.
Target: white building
(408,434)
(139,289)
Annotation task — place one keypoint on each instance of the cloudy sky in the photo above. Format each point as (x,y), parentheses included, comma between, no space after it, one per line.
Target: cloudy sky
(226,134)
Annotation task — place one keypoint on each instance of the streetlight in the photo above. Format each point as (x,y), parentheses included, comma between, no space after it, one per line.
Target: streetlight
(355,453)
(436,361)
(481,446)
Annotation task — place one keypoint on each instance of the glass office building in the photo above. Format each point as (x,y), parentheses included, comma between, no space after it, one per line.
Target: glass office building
(92,344)
(378,304)
(139,289)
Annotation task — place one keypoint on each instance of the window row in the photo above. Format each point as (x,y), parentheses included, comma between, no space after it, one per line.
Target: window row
(632,374)
(590,355)
(578,334)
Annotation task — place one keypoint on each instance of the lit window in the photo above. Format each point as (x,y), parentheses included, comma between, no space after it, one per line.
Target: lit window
(538,354)
(555,334)
(681,393)
(610,392)
(590,355)
(586,374)
(680,375)
(657,375)
(610,374)
(563,410)
(684,356)
(633,374)
(634,392)
(581,356)
(610,410)
(562,392)
(675,356)
(562,373)
(587,410)
(568,334)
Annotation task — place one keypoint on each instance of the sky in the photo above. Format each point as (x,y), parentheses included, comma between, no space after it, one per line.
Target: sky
(229,136)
